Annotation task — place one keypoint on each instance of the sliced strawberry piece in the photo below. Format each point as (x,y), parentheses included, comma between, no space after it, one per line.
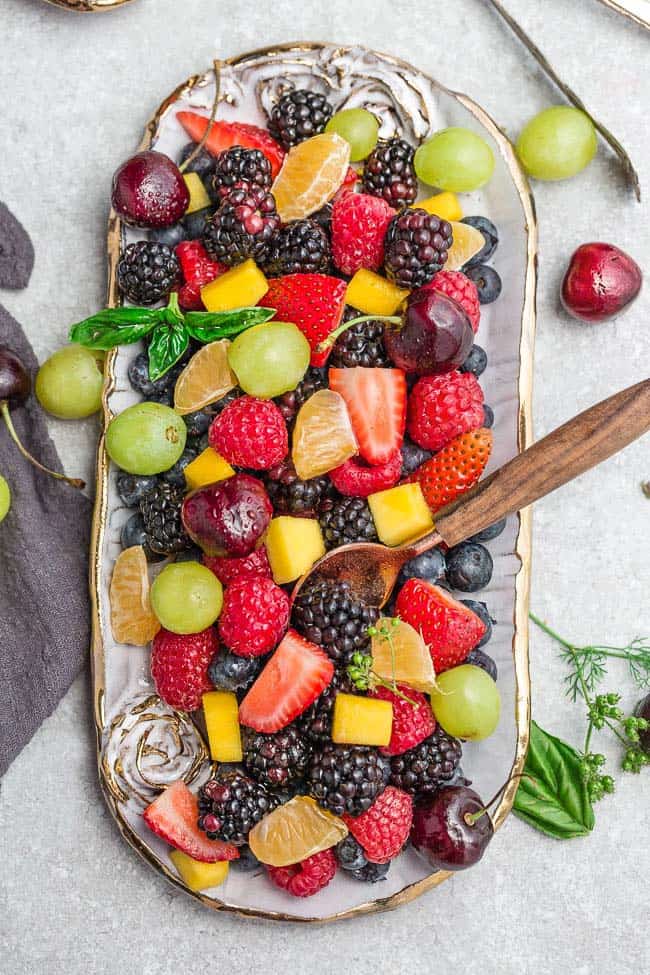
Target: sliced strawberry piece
(449,628)
(376,402)
(174,816)
(313,302)
(225,135)
(359,480)
(293,678)
(454,469)
(198,270)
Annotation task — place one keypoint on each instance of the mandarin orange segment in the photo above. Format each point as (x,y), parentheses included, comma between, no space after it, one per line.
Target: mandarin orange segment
(311,174)
(206,378)
(323,437)
(295,831)
(468,241)
(132,618)
(401,654)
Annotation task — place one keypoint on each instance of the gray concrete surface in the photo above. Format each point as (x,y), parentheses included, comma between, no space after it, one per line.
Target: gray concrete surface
(76,91)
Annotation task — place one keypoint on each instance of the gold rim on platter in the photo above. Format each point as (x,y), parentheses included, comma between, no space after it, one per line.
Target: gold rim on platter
(522,547)
(643,20)
(88,6)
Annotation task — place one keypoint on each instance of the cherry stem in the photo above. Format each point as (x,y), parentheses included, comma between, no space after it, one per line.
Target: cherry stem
(213,117)
(76,482)
(332,337)
(471,818)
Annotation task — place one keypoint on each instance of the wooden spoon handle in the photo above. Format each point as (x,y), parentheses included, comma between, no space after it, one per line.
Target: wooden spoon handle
(573,448)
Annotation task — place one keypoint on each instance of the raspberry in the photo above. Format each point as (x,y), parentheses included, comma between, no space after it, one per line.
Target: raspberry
(359,223)
(458,286)
(359,480)
(250,433)
(412,723)
(383,830)
(228,569)
(198,270)
(254,617)
(305,878)
(179,666)
(443,407)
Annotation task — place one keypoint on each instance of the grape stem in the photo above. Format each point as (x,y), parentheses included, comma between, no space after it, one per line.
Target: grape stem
(332,337)
(76,482)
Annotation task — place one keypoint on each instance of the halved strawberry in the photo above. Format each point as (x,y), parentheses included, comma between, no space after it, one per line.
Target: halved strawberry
(449,628)
(376,402)
(198,270)
(293,678)
(174,815)
(313,302)
(225,135)
(454,469)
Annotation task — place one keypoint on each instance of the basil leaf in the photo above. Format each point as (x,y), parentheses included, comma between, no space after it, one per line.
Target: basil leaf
(115,326)
(206,326)
(552,796)
(167,346)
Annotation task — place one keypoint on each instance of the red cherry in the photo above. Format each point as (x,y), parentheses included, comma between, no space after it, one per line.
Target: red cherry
(435,335)
(449,830)
(600,281)
(229,517)
(149,191)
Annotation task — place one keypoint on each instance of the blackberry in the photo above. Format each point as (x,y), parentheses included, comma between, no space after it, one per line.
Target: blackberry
(298,115)
(316,721)
(275,760)
(415,247)
(238,166)
(290,403)
(301,247)
(131,488)
(347,778)
(230,805)
(360,345)
(203,163)
(147,272)
(348,520)
(230,672)
(161,510)
(291,496)
(389,173)
(329,615)
(133,533)
(323,217)
(421,770)
(242,227)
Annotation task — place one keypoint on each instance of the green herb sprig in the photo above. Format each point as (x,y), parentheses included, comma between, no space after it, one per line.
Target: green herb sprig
(360,671)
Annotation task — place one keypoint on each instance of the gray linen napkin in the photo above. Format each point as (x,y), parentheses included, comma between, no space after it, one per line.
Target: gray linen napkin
(44,614)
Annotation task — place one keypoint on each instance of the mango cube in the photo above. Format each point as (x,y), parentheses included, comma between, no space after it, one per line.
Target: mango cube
(199,198)
(444,205)
(240,287)
(372,294)
(207,468)
(293,545)
(361,720)
(198,875)
(400,514)
(221,712)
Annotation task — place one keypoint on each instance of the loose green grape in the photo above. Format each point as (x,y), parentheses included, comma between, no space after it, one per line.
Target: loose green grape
(147,438)
(5,498)
(269,359)
(557,143)
(454,159)
(466,702)
(357,126)
(186,597)
(69,383)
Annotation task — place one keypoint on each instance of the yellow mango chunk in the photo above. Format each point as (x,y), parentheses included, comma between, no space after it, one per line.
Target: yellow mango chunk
(361,720)
(374,295)
(221,712)
(199,198)
(444,205)
(292,546)
(400,514)
(207,468)
(240,287)
(198,875)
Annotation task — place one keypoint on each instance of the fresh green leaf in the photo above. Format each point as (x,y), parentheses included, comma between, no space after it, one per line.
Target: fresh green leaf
(115,326)
(208,326)
(168,344)
(552,795)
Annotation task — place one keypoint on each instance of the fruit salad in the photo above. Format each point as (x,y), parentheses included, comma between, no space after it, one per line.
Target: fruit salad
(351,411)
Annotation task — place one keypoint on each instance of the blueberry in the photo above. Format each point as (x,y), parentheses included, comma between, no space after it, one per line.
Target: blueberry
(230,672)
(139,378)
(350,854)
(131,488)
(193,554)
(198,423)
(176,474)
(488,416)
(489,533)
(202,443)
(169,235)
(133,533)
(476,361)
(413,457)
(203,163)
(469,566)
(480,659)
(194,223)
(429,566)
(487,282)
(372,872)
(490,235)
(483,613)
(247,861)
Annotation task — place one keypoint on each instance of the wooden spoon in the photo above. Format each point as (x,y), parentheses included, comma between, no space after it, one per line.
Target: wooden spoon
(575,447)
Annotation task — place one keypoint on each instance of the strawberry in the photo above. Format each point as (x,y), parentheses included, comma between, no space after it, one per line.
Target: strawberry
(376,402)
(358,480)
(254,617)
(174,815)
(383,829)
(359,224)
(449,628)
(225,135)
(454,469)
(412,722)
(462,289)
(443,407)
(228,569)
(313,302)
(198,269)
(179,666)
(297,673)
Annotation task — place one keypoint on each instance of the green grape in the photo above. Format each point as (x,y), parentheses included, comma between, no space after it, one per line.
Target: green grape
(454,159)
(466,702)
(357,126)
(557,143)
(147,438)
(269,359)
(5,498)
(69,383)
(186,597)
